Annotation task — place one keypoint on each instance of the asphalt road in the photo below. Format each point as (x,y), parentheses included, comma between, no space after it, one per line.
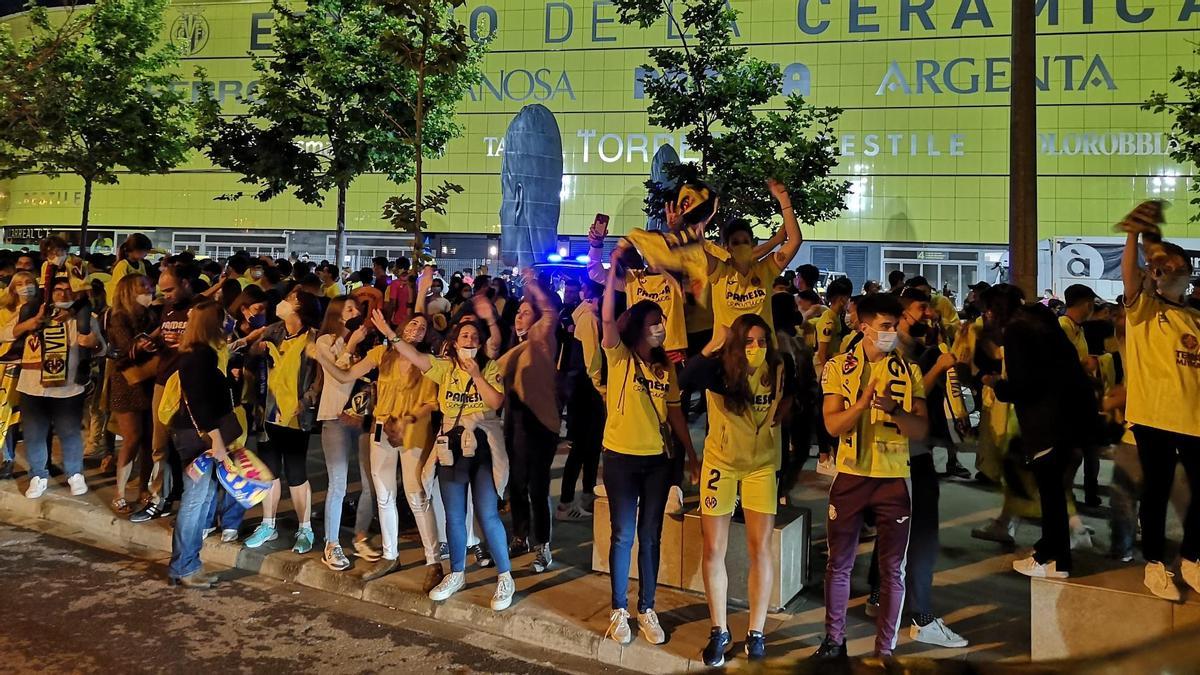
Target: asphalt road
(68,608)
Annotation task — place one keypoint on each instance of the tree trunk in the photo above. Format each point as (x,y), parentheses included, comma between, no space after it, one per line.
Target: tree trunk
(83,223)
(1022,185)
(339,243)
(419,117)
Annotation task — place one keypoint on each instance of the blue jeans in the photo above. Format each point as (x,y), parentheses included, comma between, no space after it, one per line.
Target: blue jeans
(637,489)
(37,413)
(484,497)
(224,511)
(10,444)
(340,442)
(198,499)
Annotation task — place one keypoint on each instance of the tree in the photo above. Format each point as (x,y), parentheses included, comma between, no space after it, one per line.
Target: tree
(91,95)
(1185,128)
(433,45)
(331,84)
(714,92)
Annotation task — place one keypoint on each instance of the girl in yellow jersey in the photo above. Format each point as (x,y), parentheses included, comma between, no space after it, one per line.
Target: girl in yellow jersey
(644,413)
(131,259)
(288,419)
(747,398)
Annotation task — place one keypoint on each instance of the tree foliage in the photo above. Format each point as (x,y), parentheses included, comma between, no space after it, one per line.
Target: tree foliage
(88,93)
(715,93)
(329,100)
(1185,125)
(431,43)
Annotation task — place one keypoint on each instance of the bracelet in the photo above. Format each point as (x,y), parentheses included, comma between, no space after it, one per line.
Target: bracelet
(786,208)
(396,339)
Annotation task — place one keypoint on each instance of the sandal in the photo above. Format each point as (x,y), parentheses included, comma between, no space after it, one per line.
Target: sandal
(122,507)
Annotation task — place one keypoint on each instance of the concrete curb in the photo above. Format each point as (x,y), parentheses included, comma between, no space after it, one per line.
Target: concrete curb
(531,627)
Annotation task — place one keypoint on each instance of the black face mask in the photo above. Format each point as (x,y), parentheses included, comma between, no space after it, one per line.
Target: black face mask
(919,329)
(355,323)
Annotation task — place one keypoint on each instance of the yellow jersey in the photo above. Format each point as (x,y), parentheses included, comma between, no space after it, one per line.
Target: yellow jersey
(454,383)
(663,290)
(1075,334)
(1162,340)
(748,441)
(735,294)
(400,391)
(637,399)
(587,332)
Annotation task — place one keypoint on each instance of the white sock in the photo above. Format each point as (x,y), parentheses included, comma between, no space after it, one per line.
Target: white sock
(269,522)
(306,525)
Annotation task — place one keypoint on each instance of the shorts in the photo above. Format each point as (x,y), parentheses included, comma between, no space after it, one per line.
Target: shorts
(719,490)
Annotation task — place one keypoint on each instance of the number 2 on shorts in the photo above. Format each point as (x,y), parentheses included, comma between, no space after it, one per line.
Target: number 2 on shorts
(714,475)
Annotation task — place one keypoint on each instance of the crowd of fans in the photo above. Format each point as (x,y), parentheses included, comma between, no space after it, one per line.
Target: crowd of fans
(453,390)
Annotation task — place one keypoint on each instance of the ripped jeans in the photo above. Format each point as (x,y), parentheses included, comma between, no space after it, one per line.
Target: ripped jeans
(423,498)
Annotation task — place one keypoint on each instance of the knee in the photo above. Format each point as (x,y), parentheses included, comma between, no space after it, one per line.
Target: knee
(384,498)
(418,502)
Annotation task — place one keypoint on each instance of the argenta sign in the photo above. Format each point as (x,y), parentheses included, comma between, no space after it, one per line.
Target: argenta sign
(924,136)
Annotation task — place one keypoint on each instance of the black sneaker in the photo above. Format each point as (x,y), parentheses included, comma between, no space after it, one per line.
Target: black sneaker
(830,650)
(756,646)
(956,470)
(443,551)
(6,469)
(718,648)
(518,546)
(481,556)
(153,511)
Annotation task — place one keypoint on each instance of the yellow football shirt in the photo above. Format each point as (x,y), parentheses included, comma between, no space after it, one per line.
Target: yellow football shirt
(735,294)
(663,290)
(744,442)
(1162,341)
(1075,334)
(637,402)
(453,383)
(882,451)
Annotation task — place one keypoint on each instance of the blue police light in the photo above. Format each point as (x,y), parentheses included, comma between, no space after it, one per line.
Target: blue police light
(582,259)
(554,258)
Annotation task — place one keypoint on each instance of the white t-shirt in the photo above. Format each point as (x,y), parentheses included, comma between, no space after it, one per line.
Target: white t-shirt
(437,306)
(334,394)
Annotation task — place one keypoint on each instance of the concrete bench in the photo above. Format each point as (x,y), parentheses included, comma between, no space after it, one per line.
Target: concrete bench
(682,551)
(1101,612)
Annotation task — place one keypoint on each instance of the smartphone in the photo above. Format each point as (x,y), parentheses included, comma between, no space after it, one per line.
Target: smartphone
(602,219)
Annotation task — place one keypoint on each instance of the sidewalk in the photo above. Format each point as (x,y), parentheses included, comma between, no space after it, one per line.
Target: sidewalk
(567,608)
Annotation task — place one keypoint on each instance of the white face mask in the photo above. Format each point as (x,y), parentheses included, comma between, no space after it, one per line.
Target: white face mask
(145,299)
(522,333)
(28,292)
(467,353)
(885,341)
(64,305)
(59,260)
(1173,287)
(658,333)
(284,309)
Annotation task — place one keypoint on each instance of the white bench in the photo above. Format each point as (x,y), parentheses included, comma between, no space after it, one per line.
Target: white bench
(682,553)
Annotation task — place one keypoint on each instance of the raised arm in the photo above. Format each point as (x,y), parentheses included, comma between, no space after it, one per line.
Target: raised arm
(325,357)
(595,266)
(418,359)
(484,309)
(547,321)
(1142,219)
(424,283)
(791,228)
(610,335)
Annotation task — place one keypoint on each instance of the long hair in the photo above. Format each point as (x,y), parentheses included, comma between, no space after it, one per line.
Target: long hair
(632,326)
(481,357)
(203,326)
(390,356)
(9,298)
(309,309)
(333,324)
(739,396)
(124,300)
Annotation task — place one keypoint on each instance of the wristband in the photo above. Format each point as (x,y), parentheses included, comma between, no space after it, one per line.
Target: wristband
(786,208)
(396,339)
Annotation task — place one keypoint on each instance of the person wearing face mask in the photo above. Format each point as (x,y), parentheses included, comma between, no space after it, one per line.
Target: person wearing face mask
(748,397)
(17,320)
(644,413)
(131,259)
(51,393)
(470,454)
(874,404)
(531,419)
(290,414)
(400,431)
(343,410)
(131,379)
(585,410)
(923,546)
(1162,342)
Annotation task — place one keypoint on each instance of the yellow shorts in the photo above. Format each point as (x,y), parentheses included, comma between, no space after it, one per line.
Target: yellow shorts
(719,490)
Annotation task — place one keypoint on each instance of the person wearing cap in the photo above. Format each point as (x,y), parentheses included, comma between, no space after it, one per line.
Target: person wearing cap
(1080,302)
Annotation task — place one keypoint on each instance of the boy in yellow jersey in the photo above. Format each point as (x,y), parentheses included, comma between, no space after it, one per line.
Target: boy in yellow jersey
(875,404)
(1162,340)
(831,328)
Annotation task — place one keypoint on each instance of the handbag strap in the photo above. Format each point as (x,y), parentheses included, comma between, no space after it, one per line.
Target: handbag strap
(463,403)
(637,363)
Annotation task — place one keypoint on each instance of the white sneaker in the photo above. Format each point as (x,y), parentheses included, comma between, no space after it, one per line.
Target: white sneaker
(505,588)
(572,511)
(1161,582)
(229,536)
(674,503)
(936,633)
(449,586)
(1032,568)
(37,487)
(827,467)
(207,532)
(78,485)
(618,627)
(1191,573)
(1081,539)
(651,629)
